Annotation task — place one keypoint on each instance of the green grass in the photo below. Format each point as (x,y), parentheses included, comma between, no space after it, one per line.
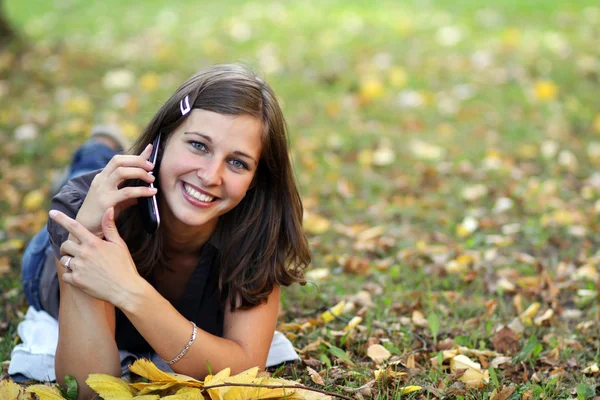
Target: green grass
(318,56)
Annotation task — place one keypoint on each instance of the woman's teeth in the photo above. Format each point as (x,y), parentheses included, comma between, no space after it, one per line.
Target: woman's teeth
(197,195)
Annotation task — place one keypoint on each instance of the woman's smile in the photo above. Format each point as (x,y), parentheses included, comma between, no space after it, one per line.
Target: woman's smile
(197,197)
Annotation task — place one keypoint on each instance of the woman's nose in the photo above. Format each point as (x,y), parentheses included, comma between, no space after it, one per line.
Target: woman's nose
(211,173)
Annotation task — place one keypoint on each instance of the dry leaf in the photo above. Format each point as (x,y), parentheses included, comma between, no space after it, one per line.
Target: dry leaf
(333,312)
(353,324)
(506,341)
(503,394)
(315,224)
(378,353)
(473,375)
(591,369)
(315,377)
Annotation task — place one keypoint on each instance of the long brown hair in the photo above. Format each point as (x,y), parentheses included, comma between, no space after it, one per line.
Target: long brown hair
(261,241)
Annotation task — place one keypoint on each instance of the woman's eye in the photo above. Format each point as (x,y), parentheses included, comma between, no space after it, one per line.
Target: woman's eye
(238,164)
(198,146)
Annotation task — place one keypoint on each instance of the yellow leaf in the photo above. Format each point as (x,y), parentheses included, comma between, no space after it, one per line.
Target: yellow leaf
(45,392)
(130,130)
(545,90)
(109,387)
(378,353)
(10,390)
(244,393)
(333,312)
(33,200)
(79,105)
(353,324)
(380,373)
(186,393)
(315,224)
(149,82)
(398,77)
(148,370)
(148,397)
(511,37)
(409,389)
(149,387)
(371,88)
(530,312)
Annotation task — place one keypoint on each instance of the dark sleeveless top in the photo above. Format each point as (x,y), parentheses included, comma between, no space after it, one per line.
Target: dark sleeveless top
(200,301)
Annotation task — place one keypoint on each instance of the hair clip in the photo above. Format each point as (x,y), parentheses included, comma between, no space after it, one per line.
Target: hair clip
(184,105)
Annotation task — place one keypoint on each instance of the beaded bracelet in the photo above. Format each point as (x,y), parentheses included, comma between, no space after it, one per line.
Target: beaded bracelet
(187,346)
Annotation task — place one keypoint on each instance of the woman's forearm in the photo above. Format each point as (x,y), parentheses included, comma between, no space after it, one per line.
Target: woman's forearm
(86,341)
(167,331)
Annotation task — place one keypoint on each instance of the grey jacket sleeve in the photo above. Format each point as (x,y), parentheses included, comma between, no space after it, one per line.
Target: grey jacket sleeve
(69,201)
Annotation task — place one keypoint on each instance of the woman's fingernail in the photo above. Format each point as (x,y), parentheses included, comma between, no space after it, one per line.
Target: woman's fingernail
(53,213)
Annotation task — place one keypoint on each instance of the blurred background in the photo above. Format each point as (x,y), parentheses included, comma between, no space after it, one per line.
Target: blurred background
(421,131)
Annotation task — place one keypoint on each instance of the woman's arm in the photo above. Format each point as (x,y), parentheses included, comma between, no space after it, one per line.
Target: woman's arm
(86,341)
(247,334)
(104,269)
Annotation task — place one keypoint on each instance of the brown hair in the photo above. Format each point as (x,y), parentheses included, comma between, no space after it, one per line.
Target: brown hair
(261,241)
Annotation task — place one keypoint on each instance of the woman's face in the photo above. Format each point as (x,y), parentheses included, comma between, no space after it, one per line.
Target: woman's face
(207,166)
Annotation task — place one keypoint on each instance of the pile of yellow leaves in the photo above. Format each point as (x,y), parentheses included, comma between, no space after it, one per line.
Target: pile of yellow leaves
(163,385)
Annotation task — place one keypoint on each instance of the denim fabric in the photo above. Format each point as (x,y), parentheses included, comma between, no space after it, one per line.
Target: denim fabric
(89,157)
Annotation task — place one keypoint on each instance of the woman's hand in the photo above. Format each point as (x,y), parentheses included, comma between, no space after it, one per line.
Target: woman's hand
(100,268)
(107,189)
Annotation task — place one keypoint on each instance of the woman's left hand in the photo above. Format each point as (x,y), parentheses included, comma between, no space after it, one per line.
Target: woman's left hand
(102,269)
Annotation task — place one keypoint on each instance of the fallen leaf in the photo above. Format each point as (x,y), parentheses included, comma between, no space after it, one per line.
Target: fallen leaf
(109,387)
(506,341)
(12,391)
(333,312)
(315,377)
(591,369)
(315,224)
(503,394)
(378,353)
(45,392)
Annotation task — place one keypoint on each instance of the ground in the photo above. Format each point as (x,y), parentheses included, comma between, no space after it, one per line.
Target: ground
(446,154)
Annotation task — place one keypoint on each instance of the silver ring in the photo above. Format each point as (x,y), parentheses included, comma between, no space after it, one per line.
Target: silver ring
(67,267)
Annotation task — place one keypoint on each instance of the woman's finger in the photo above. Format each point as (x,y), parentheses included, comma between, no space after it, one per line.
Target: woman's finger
(67,262)
(140,161)
(73,227)
(70,248)
(134,192)
(123,173)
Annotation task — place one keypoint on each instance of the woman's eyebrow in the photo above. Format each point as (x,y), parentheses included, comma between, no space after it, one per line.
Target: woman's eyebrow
(208,139)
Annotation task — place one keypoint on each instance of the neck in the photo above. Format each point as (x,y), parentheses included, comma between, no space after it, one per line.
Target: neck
(181,239)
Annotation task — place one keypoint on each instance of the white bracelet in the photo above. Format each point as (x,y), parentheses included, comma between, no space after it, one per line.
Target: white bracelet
(187,346)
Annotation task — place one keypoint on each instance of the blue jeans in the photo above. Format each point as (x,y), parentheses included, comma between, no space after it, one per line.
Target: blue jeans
(91,156)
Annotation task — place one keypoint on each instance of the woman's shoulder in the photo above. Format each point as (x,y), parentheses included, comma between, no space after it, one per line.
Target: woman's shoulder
(75,190)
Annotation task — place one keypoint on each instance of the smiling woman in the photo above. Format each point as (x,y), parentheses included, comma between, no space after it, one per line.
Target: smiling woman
(204,288)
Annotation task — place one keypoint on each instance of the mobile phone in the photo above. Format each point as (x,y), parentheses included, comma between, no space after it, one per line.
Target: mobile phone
(148,206)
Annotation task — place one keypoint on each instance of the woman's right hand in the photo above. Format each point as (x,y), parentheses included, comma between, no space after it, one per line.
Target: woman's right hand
(107,189)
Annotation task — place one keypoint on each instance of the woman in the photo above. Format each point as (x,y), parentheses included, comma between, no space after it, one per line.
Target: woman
(203,291)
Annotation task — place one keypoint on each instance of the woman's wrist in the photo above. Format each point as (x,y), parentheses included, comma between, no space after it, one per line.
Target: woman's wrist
(130,301)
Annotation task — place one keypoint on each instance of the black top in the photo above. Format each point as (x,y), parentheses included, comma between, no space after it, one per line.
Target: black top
(201,298)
